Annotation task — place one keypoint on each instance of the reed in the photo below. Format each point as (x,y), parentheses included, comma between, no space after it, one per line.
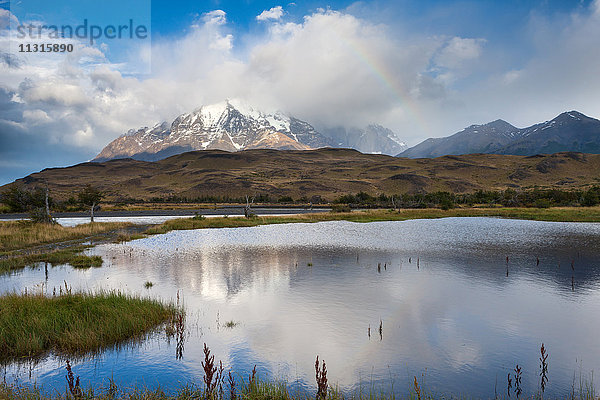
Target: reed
(543,368)
(73,384)
(321,377)
(231,381)
(518,373)
(210,380)
(417,389)
(256,389)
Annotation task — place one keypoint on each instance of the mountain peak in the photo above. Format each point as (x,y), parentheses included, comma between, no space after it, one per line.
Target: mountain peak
(497,127)
(373,138)
(233,125)
(501,125)
(571,115)
(570,131)
(229,125)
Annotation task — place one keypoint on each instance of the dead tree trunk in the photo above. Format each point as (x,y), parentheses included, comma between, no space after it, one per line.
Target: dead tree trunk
(248,208)
(48,217)
(394,204)
(92,212)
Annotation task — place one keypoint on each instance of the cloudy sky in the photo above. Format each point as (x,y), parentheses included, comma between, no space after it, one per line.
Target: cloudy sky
(421,68)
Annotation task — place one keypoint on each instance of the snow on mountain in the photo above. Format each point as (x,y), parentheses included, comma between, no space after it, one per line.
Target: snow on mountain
(230,125)
(234,125)
(473,139)
(570,131)
(371,139)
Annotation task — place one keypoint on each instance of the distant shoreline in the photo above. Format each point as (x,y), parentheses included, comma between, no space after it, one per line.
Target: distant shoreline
(233,210)
(26,244)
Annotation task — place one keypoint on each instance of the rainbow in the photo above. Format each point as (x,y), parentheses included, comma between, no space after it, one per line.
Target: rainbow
(387,79)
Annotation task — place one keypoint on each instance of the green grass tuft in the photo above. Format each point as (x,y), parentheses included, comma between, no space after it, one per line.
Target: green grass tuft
(71,255)
(74,323)
(231,324)
(83,261)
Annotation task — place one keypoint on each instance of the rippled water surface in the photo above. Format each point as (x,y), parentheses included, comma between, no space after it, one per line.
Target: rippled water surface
(452,310)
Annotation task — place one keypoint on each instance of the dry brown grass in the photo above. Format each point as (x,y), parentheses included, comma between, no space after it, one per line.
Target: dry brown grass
(23,234)
(328,173)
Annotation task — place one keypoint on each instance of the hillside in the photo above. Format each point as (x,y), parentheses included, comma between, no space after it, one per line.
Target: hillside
(327,172)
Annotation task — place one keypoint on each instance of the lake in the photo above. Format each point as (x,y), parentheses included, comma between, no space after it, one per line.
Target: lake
(453,310)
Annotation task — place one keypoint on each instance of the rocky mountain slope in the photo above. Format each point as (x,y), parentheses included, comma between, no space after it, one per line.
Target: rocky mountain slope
(232,126)
(570,131)
(373,139)
(229,125)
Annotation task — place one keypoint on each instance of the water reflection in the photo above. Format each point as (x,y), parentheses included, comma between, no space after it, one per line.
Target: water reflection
(459,300)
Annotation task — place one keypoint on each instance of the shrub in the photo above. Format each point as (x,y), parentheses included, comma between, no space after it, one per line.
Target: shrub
(339,208)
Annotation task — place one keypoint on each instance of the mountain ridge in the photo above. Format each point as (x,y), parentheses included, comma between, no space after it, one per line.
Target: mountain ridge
(228,125)
(569,131)
(233,125)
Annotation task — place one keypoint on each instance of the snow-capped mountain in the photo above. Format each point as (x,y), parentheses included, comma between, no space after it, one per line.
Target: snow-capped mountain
(371,139)
(570,131)
(486,138)
(229,125)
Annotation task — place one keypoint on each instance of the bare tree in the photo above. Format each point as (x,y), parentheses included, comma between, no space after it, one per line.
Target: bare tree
(39,207)
(248,213)
(36,202)
(90,197)
(47,204)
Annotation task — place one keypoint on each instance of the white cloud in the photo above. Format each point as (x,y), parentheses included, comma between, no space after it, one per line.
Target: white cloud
(216,17)
(335,68)
(596,7)
(511,76)
(331,68)
(558,74)
(274,13)
(7,19)
(57,93)
(222,42)
(459,50)
(83,137)
(36,117)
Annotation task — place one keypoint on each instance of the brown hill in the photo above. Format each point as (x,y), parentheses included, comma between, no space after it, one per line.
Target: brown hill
(326,172)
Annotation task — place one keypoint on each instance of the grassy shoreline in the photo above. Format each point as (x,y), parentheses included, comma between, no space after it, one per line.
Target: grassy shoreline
(557,214)
(15,237)
(34,324)
(71,255)
(24,243)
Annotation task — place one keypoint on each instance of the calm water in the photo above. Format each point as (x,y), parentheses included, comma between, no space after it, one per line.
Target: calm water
(451,315)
